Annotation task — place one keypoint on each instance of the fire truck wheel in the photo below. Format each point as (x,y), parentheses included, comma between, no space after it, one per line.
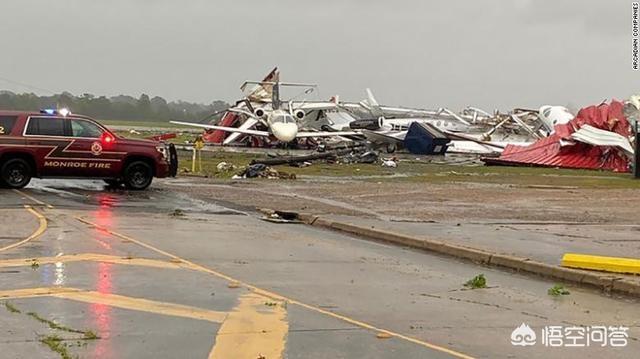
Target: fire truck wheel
(15,173)
(138,175)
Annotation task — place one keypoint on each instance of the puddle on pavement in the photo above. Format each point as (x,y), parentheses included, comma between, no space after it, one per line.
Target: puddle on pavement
(153,199)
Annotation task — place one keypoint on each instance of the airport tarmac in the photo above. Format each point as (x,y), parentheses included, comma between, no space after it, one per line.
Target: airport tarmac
(166,274)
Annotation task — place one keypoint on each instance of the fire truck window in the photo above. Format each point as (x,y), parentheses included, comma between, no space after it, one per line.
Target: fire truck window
(6,124)
(81,128)
(46,127)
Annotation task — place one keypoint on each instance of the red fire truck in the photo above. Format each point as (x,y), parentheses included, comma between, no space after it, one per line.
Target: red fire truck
(56,143)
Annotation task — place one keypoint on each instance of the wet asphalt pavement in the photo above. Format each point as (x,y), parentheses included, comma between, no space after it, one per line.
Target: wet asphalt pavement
(158,274)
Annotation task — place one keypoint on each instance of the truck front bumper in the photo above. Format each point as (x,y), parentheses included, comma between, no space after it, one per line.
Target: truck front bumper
(169,167)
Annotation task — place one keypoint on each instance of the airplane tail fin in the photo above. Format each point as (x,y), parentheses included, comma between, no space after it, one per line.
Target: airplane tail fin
(374,106)
(263,91)
(371,100)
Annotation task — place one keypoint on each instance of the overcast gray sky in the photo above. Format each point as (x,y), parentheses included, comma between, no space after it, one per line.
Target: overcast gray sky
(489,53)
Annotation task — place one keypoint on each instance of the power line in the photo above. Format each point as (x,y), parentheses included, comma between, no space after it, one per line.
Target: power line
(26,85)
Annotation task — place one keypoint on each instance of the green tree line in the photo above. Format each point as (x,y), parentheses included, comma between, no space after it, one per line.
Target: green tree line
(122,107)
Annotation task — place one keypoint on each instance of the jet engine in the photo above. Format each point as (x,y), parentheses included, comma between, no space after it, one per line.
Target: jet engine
(299,114)
(260,113)
(367,124)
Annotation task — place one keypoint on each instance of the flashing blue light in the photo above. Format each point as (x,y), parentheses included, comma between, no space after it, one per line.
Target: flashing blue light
(50,111)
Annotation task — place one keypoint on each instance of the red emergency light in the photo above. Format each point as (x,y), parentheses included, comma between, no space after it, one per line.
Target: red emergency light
(107,138)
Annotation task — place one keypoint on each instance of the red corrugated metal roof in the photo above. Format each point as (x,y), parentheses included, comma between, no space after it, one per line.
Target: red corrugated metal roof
(549,152)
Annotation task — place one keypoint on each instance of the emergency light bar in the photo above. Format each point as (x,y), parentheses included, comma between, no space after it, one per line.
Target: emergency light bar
(50,111)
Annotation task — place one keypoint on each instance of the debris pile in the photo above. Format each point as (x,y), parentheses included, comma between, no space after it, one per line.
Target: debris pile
(368,157)
(597,138)
(263,171)
(275,114)
(263,117)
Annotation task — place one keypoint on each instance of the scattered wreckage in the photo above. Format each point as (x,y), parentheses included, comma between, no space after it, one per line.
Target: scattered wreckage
(263,107)
(263,171)
(598,137)
(347,154)
(548,136)
(263,119)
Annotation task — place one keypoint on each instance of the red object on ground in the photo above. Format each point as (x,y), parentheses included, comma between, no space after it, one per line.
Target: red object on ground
(217,136)
(163,137)
(550,151)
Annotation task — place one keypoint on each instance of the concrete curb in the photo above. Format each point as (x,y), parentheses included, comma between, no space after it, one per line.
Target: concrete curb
(604,281)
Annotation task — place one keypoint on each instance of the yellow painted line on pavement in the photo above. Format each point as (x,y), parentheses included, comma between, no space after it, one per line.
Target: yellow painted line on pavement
(94,257)
(601,263)
(42,226)
(33,199)
(254,329)
(275,296)
(143,305)
(34,292)
(117,301)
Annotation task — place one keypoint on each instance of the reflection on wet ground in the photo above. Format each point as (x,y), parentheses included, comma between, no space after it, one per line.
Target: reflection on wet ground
(75,193)
(108,263)
(80,279)
(140,302)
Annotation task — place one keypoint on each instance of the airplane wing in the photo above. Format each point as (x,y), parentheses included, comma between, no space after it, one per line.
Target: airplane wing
(304,134)
(223,128)
(408,110)
(380,137)
(463,137)
(350,105)
(248,123)
(388,110)
(310,106)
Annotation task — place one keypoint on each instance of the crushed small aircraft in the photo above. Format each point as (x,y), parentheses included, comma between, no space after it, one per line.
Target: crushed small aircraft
(261,118)
(280,119)
(480,132)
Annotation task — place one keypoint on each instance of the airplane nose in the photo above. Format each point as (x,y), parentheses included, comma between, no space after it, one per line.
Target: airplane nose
(285,132)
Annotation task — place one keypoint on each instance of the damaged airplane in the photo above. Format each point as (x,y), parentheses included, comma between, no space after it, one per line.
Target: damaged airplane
(282,119)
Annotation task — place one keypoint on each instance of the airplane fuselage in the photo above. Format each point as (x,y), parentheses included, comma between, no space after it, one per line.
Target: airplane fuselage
(400,124)
(282,125)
